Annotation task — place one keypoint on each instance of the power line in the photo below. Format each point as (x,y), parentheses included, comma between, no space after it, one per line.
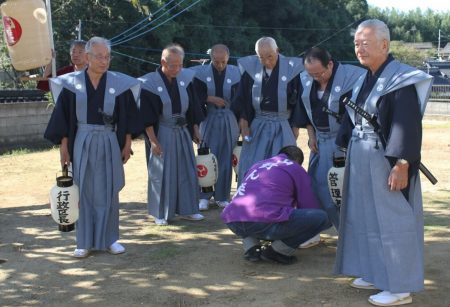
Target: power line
(142,21)
(157,26)
(134,58)
(160,50)
(333,35)
(257,27)
(148,24)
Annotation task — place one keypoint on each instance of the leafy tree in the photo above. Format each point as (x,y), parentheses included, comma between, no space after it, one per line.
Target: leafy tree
(406,54)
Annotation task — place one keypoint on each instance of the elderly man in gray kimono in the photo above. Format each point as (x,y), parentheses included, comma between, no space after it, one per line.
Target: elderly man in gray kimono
(381,229)
(95,117)
(266,97)
(216,85)
(324,84)
(171,114)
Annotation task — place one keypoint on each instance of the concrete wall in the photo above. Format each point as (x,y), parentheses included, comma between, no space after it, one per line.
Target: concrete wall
(22,125)
(438,108)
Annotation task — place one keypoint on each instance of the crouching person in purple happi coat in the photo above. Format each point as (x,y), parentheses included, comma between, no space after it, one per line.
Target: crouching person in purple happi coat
(275,202)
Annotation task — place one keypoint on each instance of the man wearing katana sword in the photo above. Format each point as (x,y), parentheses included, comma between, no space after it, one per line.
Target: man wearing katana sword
(381,227)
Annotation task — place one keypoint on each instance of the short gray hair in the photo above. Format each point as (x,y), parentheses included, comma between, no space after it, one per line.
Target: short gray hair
(77,43)
(266,41)
(220,47)
(381,29)
(172,49)
(96,40)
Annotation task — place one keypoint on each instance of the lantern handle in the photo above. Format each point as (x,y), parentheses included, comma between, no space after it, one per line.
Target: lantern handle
(65,170)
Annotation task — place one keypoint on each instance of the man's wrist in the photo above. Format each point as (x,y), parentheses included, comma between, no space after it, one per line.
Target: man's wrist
(402,162)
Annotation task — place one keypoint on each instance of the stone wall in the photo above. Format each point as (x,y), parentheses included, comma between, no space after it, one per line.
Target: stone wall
(22,124)
(438,108)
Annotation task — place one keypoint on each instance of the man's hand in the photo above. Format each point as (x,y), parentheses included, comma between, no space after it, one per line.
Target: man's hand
(312,144)
(217,101)
(245,130)
(196,135)
(398,177)
(312,141)
(295,132)
(64,152)
(126,151)
(156,149)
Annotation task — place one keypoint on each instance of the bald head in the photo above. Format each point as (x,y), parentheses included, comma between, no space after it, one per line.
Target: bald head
(220,55)
(172,60)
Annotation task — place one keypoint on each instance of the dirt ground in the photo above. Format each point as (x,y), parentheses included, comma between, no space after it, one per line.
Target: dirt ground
(186,263)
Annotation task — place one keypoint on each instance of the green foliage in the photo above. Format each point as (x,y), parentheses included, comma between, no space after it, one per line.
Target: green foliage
(406,54)
(415,25)
(295,24)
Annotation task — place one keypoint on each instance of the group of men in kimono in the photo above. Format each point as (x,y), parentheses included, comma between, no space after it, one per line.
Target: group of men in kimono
(268,98)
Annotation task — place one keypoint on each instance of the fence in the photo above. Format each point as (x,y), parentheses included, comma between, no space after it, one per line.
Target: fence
(440,93)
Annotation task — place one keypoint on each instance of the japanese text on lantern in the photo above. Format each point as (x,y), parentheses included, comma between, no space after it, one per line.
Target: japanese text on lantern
(63,206)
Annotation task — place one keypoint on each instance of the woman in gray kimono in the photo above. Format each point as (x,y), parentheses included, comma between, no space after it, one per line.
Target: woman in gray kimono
(381,229)
(267,94)
(171,115)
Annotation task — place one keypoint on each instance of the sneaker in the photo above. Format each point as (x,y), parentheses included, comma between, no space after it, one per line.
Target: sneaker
(222,203)
(360,283)
(203,204)
(311,242)
(80,253)
(192,217)
(253,254)
(270,254)
(386,298)
(161,222)
(116,248)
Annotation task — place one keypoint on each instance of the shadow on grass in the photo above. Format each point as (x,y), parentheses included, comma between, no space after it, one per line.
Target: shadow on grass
(184,264)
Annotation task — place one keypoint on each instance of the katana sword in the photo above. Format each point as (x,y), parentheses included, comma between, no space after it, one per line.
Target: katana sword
(332,113)
(372,120)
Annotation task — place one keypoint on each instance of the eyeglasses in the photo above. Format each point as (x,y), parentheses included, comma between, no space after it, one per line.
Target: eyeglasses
(174,66)
(319,75)
(99,57)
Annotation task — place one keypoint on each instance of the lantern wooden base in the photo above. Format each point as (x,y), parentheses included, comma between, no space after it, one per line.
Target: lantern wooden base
(66,228)
(207,189)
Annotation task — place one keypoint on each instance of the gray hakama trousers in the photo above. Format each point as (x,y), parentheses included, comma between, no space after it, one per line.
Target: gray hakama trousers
(173,185)
(98,172)
(381,234)
(319,165)
(270,132)
(220,132)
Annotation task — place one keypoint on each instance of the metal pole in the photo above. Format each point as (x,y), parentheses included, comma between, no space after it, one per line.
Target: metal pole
(79,29)
(439,45)
(50,30)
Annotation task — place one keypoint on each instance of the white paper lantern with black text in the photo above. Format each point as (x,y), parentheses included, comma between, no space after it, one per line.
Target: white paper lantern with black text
(64,202)
(335,178)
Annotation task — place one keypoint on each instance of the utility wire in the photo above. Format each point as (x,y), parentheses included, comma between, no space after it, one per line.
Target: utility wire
(157,26)
(160,50)
(142,21)
(148,24)
(134,58)
(333,35)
